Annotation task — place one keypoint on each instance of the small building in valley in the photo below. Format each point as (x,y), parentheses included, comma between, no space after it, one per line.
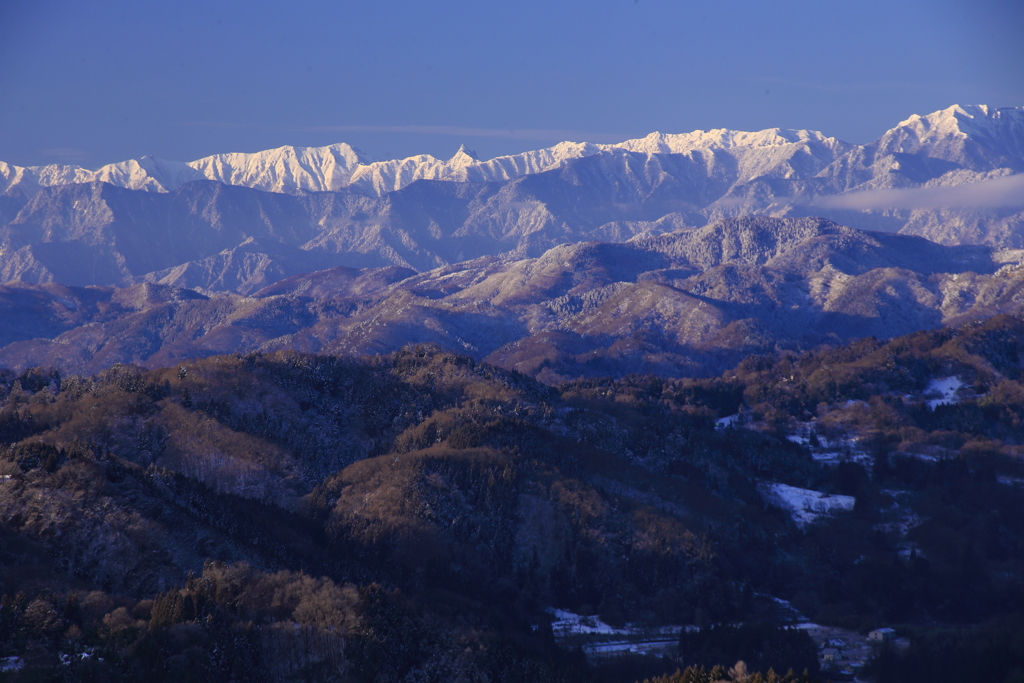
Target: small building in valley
(880,635)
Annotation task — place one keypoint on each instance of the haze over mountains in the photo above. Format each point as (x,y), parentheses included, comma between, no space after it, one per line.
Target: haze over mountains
(576,259)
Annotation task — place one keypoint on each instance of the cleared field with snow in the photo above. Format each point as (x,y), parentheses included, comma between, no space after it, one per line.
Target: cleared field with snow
(805,505)
(947,389)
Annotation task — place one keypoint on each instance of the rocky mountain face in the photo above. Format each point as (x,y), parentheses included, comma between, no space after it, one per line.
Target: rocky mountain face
(689,302)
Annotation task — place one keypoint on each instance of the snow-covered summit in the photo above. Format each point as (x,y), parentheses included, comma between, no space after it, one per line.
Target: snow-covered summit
(286,169)
(723,138)
(969,120)
(148,173)
(464,157)
(974,136)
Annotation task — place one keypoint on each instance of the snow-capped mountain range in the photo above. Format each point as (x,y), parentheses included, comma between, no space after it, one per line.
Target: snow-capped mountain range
(328,169)
(893,183)
(976,138)
(242,221)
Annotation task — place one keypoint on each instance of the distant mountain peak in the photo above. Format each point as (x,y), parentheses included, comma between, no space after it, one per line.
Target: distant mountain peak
(465,151)
(958,116)
(463,157)
(973,136)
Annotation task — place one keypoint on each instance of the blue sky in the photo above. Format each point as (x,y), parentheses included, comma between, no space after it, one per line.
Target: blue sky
(95,82)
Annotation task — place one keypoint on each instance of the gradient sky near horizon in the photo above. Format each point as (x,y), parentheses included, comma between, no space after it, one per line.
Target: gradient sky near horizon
(94,82)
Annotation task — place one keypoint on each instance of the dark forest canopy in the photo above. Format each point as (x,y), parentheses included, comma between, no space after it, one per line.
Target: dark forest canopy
(411,516)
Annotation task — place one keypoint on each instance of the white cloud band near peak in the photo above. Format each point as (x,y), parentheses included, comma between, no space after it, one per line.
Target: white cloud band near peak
(1004,192)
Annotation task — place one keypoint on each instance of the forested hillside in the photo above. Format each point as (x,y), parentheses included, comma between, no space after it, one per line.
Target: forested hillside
(415,516)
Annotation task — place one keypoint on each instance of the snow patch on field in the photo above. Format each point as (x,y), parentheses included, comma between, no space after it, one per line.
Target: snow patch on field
(805,505)
(726,422)
(569,624)
(11,664)
(598,640)
(946,388)
(566,623)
